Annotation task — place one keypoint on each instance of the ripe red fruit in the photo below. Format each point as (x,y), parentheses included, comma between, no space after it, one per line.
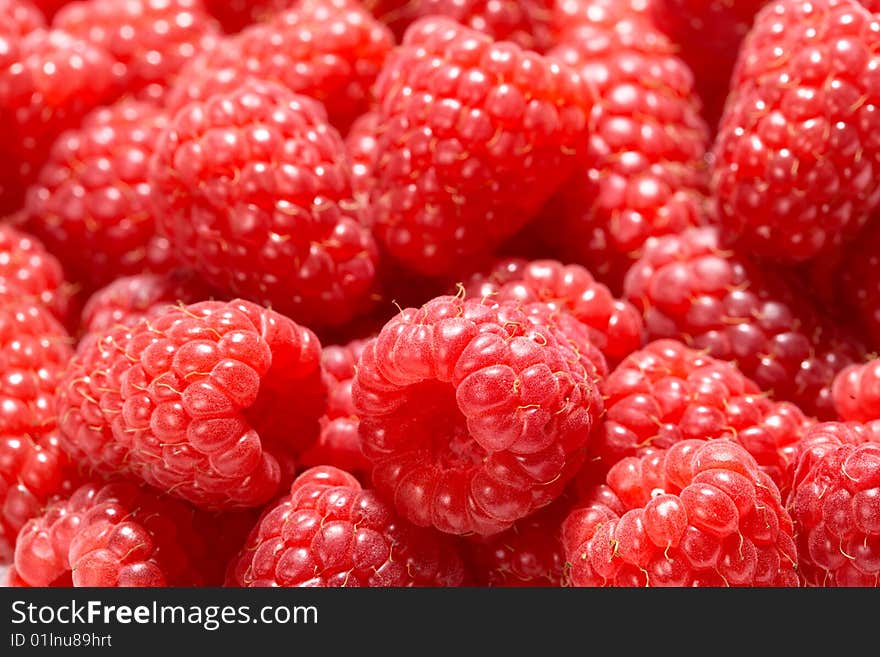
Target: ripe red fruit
(797,152)
(48,81)
(476,135)
(330,532)
(835,505)
(698,514)
(253,189)
(19,17)
(690,288)
(856,392)
(149,39)
(330,50)
(209,402)
(645,173)
(27,269)
(91,202)
(616,327)
(667,393)
(120,534)
(475,414)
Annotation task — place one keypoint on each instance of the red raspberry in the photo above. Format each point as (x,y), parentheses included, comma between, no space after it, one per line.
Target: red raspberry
(34,352)
(708,35)
(48,81)
(339,444)
(616,327)
(362,146)
(234,15)
(797,152)
(330,50)
(698,514)
(835,505)
(645,173)
(119,534)
(667,393)
(130,298)
(253,189)
(474,415)
(476,136)
(528,554)
(18,18)
(526,23)
(719,301)
(210,402)
(91,203)
(330,532)
(28,269)
(856,392)
(150,39)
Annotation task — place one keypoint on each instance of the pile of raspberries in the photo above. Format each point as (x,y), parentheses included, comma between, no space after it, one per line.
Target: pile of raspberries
(448,293)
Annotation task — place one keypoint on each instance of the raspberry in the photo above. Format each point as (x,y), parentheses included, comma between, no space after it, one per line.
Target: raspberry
(526,23)
(835,505)
(91,202)
(698,514)
(253,189)
(708,36)
(797,152)
(339,444)
(645,174)
(330,532)
(667,393)
(119,534)
(719,301)
(210,402)
(616,327)
(18,18)
(476,136)
(330,50)
(130,298)
(474,415)
(234,15)
(856,392)
(28,269)
(34,353)
(150,39)
(362,144)
(48,81)
(528,554)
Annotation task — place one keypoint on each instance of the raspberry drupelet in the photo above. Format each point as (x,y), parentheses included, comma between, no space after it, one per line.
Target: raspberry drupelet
(668,392)
(645,173)
(690,288)
(856,393)
(475,136)
(253,189)
(91,202)
(210,402)
(700,513)
(616,327)
(796,158)
(122,534)
(329,50)
(330,532)
(473,414)
(835,505)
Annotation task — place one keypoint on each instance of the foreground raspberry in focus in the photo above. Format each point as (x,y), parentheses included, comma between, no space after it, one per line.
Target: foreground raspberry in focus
(330,532)
(209,402)
(27,269)
(91,203)
(120,534)
(476,135)
(668,392)
(475,414)
(330,50)
(645,173)
(616,327)
(698,514)
(253,189)
(691,289)
(835,505)
(797,154)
